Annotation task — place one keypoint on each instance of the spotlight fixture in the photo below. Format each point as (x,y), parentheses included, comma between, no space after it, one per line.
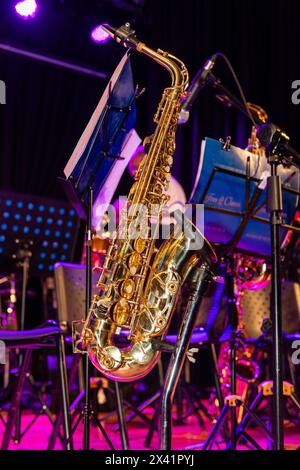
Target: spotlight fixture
(99,36)
(26,8)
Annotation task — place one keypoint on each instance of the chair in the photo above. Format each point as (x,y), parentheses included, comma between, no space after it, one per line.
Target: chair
(70,291)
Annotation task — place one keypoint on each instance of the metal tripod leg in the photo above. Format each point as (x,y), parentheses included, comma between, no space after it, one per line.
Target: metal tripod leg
(197,283)
(233,392)
(61,358)
(295,400)
(16,400)
(214,360)
(152,427)
(250,414)
(55,431)
(101,428)
(213,433)
(121,417)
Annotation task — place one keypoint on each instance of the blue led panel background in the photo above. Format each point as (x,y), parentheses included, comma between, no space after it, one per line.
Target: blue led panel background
(51,224)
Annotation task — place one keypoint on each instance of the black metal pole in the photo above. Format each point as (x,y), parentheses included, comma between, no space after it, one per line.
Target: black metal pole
(88,298)
(197,284)
(275,210)
(25,272)
(121,417)
(233,391)
(233,321)
(24,288)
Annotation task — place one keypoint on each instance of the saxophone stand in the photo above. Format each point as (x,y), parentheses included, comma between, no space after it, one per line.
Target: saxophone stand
(196,284)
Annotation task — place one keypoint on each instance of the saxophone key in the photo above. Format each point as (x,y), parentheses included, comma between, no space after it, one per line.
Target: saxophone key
(121,312)
(140,245)
(135,261)
(127,288)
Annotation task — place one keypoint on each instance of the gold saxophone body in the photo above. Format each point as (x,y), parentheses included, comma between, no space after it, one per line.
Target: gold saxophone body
(139,284)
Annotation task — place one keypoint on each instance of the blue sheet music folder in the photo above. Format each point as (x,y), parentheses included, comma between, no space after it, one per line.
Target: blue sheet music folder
(221,184)
(100,145)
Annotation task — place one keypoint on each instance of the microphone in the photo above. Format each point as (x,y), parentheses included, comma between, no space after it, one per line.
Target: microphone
(199,81)
(277,142)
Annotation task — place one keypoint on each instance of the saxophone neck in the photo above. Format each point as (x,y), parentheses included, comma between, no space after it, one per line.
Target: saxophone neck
(126,36)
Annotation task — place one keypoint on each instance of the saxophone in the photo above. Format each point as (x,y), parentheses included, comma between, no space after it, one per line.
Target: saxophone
(139,283)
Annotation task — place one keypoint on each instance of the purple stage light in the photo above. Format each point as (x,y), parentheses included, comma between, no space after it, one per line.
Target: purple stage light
(26,8)
(99,36)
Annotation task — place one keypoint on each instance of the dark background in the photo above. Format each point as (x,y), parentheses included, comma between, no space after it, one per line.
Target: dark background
(48,107)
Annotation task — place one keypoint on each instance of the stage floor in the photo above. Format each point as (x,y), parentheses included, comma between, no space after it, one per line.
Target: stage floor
(183,435)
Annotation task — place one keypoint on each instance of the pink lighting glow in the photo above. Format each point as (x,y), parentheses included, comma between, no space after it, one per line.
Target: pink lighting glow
(99,35)
(26,8)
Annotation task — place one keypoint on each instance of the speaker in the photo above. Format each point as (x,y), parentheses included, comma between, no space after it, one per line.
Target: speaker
(256,307)
(70,291)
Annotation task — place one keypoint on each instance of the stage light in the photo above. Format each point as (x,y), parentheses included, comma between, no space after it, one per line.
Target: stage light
(26,8)
(99,36)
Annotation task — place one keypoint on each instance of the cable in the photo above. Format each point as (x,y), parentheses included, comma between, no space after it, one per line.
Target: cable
(228,63)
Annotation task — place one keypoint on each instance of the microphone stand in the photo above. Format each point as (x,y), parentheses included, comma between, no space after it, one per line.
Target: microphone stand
(274,207)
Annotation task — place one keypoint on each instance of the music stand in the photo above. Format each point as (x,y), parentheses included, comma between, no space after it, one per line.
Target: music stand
(101,147)
(248,225)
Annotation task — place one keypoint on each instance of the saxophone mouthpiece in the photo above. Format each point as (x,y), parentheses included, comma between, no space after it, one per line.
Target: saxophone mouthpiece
(124,35)
(108,29)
